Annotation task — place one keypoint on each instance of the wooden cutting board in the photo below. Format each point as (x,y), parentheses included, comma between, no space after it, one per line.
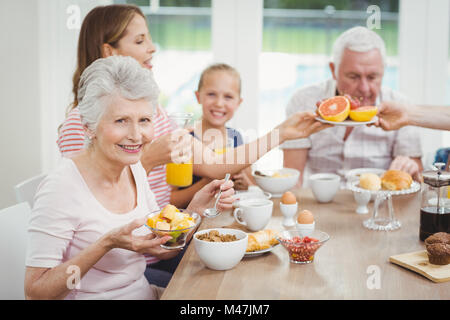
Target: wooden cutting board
(418,262)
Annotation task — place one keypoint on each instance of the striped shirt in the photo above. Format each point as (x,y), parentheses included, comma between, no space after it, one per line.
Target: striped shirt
(71,139)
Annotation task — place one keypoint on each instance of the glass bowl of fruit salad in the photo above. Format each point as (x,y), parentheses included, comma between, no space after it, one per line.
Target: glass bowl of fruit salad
(178,224)
(302,249)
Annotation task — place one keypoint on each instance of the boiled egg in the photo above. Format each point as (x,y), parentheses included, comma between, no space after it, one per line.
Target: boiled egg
(288,198)
(305,217)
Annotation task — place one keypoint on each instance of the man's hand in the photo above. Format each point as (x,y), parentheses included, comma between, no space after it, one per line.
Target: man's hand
(406,164)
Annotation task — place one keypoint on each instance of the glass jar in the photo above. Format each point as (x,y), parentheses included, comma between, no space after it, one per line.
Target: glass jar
(435,204)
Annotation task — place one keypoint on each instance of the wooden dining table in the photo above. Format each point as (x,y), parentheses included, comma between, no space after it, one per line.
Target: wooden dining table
(352,264)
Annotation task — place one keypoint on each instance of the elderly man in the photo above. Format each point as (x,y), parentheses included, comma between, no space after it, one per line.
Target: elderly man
(357,69)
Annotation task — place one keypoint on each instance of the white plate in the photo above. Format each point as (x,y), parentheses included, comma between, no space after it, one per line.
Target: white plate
(260,252)
(354,186)
(348,123)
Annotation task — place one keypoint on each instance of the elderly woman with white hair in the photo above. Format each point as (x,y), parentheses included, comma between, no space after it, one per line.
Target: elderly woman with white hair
(357,69)
(88,220)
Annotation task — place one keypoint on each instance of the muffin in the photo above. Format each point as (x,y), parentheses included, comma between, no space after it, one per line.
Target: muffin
(440,237)
(439,253)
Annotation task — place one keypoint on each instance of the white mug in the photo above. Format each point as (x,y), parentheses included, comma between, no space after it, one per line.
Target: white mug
(324,186)
(255,214)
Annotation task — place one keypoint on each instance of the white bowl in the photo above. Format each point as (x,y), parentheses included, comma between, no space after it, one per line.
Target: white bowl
(277,185)
(221,255)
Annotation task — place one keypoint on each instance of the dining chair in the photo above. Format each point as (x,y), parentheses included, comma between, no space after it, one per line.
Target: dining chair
(26,190)
(13,247)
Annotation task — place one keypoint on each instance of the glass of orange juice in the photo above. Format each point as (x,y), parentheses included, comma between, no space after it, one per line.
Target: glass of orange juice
(180,174)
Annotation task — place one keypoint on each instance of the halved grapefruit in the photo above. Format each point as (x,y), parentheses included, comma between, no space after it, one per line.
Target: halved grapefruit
(335,109)
(363,114)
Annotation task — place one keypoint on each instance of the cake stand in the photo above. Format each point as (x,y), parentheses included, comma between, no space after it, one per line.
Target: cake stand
(383,216)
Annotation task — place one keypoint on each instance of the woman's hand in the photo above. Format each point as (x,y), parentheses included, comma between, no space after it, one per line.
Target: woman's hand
(392,115)
(300,125)
(125,238)
(204,198)
(174,146)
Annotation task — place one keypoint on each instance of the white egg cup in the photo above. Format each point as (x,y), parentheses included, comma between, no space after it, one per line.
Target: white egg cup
(362,199)
(305,230)
(288,211)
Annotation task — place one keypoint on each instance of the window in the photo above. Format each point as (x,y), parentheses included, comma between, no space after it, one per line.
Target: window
(297,42)
(181,31)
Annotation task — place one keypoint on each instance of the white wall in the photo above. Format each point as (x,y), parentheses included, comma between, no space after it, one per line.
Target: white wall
(37,61)
(237,40)
(59,26)
(19,91)
(423,58)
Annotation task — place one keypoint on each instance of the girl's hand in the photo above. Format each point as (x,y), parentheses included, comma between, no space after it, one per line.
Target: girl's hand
(300,125)
(204,198)
(124,238)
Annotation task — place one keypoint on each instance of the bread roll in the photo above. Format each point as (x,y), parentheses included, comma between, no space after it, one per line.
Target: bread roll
(396,180)
(370,181)
(261,240)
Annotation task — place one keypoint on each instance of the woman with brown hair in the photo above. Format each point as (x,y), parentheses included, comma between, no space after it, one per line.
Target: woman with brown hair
(119,30)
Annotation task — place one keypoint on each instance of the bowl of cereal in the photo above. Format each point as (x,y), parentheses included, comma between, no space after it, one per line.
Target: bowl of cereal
(278,181)
(302,249)
(220,248)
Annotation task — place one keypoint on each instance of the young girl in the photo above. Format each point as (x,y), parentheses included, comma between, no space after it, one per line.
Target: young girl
(219,93)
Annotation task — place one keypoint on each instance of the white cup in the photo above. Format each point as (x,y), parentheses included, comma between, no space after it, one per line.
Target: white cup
(255,214)
(324,186)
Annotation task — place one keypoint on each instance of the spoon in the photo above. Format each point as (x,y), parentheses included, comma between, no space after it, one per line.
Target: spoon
(212,212)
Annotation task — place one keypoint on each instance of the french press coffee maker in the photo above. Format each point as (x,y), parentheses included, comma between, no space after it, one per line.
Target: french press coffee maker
(435,207)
